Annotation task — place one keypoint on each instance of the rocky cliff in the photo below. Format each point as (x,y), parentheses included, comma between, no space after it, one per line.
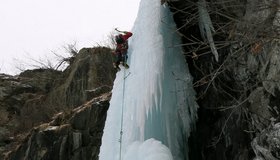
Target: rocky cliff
(232,53)
(75,135)
(34,96)
(238,94)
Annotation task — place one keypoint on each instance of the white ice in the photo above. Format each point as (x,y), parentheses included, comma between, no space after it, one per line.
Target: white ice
(153,101)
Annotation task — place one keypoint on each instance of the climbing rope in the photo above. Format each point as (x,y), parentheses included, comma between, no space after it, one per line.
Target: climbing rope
(121,131)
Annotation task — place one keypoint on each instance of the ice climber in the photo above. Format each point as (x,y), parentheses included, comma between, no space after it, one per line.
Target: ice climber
(121,49)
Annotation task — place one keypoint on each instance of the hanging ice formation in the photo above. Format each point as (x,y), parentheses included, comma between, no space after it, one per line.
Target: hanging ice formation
(153,102)
(206,27)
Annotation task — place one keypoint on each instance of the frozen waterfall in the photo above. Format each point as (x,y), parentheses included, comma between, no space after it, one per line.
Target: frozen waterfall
(153,100)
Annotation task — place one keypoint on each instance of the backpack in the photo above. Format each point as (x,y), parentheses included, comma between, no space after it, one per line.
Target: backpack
(119,39)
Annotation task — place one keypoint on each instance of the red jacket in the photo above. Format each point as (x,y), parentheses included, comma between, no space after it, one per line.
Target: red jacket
(127,35)
(122,48)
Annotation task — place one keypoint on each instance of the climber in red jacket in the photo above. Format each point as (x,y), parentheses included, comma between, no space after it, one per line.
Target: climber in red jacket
(121,49)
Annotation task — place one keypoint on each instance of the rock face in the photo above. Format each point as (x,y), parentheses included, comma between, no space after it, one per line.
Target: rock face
(16,95)
(90,69)
(34,96)
(266,144)
(75,135)
(238,95)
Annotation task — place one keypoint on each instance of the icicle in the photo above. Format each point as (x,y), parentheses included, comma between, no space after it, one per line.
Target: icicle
(206,27)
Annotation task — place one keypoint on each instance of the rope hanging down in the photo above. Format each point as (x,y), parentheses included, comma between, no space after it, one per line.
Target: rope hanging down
(121,131)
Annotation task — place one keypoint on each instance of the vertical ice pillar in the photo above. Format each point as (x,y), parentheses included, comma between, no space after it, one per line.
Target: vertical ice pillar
(155,93)
(171,121)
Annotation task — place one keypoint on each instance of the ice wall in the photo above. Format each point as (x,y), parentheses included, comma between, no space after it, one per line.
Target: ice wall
(153,101)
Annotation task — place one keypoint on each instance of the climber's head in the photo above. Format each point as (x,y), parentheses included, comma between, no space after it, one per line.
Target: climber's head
(119,39)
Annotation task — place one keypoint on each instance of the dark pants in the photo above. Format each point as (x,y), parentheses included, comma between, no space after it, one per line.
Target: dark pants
(121,57)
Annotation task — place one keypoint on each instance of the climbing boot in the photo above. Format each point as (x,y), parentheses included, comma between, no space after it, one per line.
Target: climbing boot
(126,65)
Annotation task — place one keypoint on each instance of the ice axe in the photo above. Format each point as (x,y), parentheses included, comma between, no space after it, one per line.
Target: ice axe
(119,30)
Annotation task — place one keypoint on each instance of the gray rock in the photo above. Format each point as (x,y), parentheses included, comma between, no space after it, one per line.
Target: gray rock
(67,140)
